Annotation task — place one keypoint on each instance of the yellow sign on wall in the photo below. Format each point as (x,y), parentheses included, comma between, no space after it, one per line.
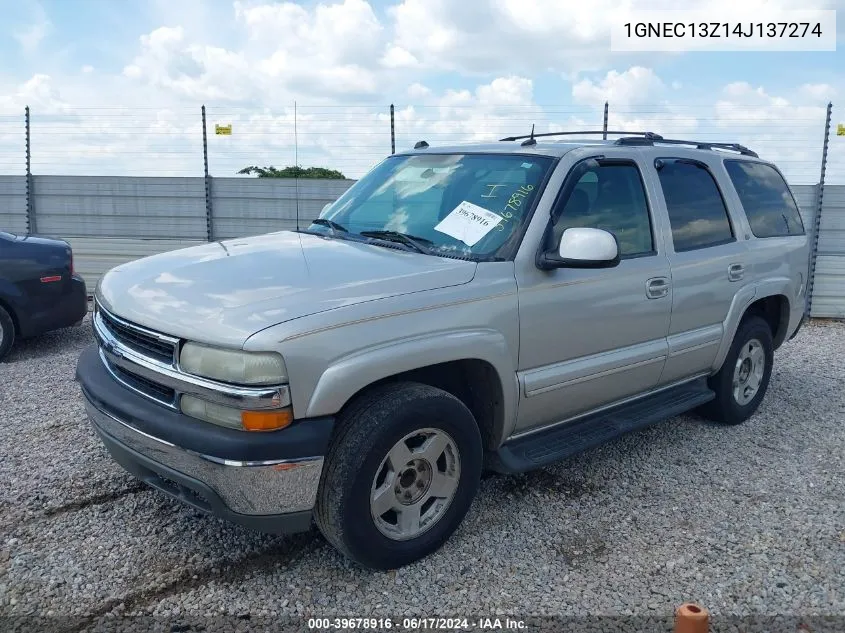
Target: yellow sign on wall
(223,129)
(840,130)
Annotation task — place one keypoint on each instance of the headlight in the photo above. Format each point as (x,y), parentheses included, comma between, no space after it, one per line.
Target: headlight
(232,366)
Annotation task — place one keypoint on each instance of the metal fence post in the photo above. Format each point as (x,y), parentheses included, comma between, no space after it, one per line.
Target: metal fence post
(604,128)
(209,215)
(814,247)
(31,225)
(392,132)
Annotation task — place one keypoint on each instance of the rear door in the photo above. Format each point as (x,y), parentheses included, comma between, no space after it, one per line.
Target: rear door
(779,249)
(709,264)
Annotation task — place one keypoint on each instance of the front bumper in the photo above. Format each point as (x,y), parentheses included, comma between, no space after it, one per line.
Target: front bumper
(237,481)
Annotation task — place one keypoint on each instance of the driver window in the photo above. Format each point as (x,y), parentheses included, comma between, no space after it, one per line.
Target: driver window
(609,197)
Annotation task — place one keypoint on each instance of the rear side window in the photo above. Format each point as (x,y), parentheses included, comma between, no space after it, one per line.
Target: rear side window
(697,212)
(768,204)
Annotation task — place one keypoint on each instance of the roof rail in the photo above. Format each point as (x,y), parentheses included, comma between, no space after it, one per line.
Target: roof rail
(735,147)
(651,135)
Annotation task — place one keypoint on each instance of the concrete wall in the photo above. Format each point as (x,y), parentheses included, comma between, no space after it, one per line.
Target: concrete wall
(13,204)
(262,205)
(110,220)
(114,206)
(113,219)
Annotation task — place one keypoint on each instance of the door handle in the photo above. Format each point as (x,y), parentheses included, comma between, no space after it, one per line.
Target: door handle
(736,272)
(657,287)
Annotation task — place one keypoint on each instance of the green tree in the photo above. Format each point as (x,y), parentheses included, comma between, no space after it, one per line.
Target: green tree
(293,172)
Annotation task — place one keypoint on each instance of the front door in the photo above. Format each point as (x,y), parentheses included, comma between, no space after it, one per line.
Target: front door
(592,337)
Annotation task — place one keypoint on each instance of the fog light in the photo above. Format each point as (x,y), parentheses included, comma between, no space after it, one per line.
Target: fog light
(210,412)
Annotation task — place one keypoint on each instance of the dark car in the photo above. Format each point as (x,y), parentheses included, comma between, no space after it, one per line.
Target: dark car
(39,291)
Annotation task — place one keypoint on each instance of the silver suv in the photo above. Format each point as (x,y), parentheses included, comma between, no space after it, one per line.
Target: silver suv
(493,306)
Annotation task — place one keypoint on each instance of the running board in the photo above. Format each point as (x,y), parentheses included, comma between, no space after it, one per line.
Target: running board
(548,446)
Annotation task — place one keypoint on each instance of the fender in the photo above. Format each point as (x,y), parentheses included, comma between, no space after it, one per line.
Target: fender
(791,290)
(352,373)
(742,299)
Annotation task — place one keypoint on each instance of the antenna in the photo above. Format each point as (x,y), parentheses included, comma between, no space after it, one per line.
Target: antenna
(530,140)
(296,164)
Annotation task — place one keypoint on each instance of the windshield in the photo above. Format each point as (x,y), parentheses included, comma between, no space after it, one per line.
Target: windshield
(464,205)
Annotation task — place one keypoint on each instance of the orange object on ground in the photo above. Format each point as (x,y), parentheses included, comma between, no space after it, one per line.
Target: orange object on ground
(691,618)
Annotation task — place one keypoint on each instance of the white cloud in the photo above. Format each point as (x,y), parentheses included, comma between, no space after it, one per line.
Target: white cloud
(636,85)
(334,55)
(329,51)
(506,91)
(398,57)
(345,30)
(195,71)
(87,68)
(526,34)
(37,92)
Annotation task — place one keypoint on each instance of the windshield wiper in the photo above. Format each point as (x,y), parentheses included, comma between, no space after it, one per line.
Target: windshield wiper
(417,243)
(334,226)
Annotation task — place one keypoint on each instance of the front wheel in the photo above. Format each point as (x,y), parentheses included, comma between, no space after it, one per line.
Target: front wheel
(400,475)
(743,379)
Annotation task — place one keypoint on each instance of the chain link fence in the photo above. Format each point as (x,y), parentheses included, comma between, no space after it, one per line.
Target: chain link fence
(151,141)
(121,182)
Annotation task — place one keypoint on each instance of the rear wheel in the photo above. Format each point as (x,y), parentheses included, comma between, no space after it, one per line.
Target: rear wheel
(7,333)
(741,383)
(400,475)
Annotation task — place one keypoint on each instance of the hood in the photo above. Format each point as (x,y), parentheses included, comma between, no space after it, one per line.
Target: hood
(224,292)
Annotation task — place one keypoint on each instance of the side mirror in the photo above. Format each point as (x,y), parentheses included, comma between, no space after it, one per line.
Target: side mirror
(583,248)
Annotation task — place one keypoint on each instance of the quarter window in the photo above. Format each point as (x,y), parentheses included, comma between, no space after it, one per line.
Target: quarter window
(768,204)
(609,197)
(697,212)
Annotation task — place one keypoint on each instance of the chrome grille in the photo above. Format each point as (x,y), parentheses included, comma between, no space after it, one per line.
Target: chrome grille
(145,361)
(163,394)
(142,341)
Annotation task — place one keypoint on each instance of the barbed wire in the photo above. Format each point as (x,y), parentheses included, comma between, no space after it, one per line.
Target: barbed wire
(149,141)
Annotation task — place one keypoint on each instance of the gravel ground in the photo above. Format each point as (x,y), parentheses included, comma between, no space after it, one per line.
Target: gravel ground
(745,520)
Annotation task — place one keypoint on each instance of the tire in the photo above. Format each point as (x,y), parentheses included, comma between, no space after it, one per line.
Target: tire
(7,333)
(360,478)
(752,343)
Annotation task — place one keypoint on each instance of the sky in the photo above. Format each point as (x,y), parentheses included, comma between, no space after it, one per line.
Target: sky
(116,87)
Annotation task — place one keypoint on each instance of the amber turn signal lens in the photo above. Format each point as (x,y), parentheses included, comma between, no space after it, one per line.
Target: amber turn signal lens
(266,420)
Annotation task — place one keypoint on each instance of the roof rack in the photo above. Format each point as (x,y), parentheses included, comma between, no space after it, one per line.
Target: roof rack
(735,147)
(651,135)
